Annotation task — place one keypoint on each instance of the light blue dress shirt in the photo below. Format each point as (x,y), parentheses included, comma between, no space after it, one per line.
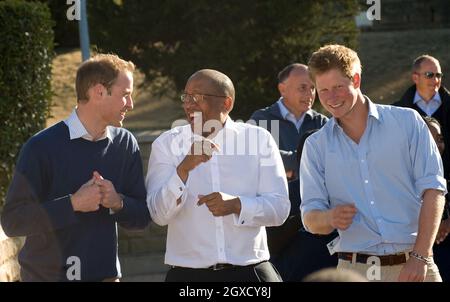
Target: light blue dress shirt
(287,115)
(428,107)
(385,176)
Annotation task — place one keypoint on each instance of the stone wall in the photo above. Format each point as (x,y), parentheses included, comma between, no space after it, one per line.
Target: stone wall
(413,14)
(141,252)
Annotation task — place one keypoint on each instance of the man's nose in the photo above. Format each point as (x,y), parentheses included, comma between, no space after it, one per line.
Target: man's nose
(130,104)
(189,103)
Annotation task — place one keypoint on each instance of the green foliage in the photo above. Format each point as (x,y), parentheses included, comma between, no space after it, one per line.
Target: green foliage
(25,73)
(66,31)
(250,41)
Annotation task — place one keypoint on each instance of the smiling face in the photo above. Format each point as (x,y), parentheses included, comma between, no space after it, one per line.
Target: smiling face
(298,91)
(437,136)
(115,103)
(426,87)
(210,104)
(337,93)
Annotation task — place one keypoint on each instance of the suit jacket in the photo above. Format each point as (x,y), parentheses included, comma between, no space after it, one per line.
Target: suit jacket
(288,135)
(442,115)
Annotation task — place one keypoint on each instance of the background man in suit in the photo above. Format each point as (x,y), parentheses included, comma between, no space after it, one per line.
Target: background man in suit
(292,112)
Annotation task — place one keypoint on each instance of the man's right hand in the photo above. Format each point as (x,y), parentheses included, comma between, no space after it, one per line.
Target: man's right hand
(201,151)
(87,198)
(341,217)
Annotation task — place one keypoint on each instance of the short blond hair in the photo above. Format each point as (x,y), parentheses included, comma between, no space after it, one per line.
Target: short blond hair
(100,69)
(334,57)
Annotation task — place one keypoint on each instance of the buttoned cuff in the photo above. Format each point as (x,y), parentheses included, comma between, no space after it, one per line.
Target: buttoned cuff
(177,188)
(176,185)
(249,207)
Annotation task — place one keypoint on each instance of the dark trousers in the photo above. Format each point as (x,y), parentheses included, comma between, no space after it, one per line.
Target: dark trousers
(260,272)
(441,257)
(305,254)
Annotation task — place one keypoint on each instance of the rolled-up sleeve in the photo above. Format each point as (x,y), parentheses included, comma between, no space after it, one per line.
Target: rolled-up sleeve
(314,195)
(427,162)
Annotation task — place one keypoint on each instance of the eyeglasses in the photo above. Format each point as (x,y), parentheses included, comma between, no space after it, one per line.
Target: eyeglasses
(431,75)
(186,97)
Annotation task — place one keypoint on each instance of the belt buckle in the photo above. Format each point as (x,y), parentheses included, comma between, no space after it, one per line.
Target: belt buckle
(218,266)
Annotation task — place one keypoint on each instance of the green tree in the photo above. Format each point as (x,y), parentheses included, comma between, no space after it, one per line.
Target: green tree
(248,40)
(25,72)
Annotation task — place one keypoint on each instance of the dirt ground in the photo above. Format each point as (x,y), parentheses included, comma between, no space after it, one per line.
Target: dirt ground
(386,58)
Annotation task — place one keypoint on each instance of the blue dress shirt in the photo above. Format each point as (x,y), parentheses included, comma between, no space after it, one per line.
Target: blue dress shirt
(428,107)
(385,176)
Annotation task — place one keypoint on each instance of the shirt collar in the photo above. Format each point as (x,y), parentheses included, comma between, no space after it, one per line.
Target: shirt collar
(284,111)
(229,125)
(77,129)
(436,98)
(373,111)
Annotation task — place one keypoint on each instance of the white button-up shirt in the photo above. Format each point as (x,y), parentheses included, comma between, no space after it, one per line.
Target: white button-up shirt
(248,165)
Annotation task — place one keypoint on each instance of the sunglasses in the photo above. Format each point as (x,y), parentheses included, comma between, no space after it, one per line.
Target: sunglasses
(431,75)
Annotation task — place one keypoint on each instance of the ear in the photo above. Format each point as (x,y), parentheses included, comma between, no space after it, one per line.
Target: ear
(356,80)
(415,78)
(282,88)
(228,104)
(97,91)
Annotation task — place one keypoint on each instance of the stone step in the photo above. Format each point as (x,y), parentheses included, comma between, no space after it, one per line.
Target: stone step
(146,264)
(159,277)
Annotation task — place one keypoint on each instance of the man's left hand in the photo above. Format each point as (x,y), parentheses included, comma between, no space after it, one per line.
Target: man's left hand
(414,270)
(221,204)
(110,198)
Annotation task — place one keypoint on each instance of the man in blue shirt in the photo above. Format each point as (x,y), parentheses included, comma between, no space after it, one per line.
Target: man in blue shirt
(373,172)
(430,98)
(76,180)
(292,113)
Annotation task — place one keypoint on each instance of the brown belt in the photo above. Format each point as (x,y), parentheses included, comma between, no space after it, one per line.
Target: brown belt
(384,260)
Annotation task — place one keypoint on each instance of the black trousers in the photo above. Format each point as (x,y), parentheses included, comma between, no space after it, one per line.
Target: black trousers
(260,272)
(442,258)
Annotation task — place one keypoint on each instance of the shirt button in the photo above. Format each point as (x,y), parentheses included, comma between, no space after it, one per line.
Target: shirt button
(362,160)
(372,203)
(366,181)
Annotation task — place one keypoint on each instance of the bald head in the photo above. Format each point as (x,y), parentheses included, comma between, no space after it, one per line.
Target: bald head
(295,67)
(417,64)
(218,83)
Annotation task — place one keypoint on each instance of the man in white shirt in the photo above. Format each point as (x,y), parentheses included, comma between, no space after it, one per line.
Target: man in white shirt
(216,184)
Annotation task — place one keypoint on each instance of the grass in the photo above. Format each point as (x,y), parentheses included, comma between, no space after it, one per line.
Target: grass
(151,112)
(386,59)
